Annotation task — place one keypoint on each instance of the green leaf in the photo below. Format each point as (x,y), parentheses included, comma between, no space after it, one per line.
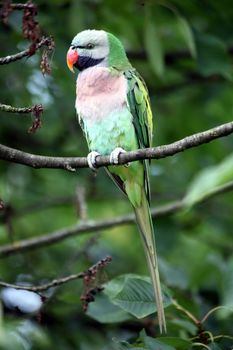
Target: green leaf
(121,345)
(153,46)
(161,343)
(215,346)
(152,344)
(227,290)
(125,345)
(209,180)
(187,34)
(113,287)
(102,310)
(185,325)
(173,275)
(178,343)
(136,296)
(212,56)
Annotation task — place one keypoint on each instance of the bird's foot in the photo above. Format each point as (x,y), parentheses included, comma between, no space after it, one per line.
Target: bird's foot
(91,160)
(114,156)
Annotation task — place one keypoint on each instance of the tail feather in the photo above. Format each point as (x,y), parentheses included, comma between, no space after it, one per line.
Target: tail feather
(145,225)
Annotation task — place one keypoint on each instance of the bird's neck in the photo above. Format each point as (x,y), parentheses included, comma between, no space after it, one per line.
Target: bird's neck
(117,57)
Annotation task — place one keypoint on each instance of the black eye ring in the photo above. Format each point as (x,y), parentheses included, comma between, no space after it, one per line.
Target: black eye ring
(90,46)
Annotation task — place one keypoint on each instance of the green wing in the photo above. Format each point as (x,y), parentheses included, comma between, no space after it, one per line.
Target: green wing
(139,104)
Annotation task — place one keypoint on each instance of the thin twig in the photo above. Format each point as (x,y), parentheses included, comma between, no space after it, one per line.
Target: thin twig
(213,310)
(44,240)
(96,226)
(186,312)
(20,110)
(26,53)
(58,281)
(19,6)
(71,163)
(54,283)
(222,336)
(36,111)
(209,335)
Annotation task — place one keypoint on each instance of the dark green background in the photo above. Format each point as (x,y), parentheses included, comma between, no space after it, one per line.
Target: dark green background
(183,51)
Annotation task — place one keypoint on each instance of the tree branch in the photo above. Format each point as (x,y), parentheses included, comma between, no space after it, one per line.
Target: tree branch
(28,52)
(36,110)
(53,283)
(59,281)
(20,110)
(95,226)
(18,6)
(71,163)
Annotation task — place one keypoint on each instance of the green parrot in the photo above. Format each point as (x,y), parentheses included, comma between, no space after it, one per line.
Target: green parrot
(114,112)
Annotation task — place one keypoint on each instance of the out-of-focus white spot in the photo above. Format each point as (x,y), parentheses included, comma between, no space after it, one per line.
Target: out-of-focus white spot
(23,300)
(38,87)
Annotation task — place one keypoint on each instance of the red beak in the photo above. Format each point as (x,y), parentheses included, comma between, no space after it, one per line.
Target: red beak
(71,58)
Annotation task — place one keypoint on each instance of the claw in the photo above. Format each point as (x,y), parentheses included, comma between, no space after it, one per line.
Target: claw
(114,156)
(91,160)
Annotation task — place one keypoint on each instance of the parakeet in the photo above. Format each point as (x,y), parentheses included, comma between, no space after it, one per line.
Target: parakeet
(114,111)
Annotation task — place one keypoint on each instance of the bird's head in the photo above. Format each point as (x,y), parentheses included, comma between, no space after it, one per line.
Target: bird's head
(96,48)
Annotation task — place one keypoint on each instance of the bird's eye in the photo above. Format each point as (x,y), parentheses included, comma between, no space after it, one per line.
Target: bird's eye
(90,46)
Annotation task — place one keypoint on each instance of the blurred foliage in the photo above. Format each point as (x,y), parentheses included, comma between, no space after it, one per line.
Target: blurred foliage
(183,50)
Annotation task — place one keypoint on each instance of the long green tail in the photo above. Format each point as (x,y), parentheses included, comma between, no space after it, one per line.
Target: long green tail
(145,225)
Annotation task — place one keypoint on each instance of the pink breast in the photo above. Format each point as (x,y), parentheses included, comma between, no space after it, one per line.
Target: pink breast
(99,93)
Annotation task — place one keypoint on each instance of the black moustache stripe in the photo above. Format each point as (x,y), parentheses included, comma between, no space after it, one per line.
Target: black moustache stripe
(86,62)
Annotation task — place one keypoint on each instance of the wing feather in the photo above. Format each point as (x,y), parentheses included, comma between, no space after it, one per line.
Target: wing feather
(139,104)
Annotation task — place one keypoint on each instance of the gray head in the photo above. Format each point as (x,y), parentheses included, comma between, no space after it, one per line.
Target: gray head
(96,48)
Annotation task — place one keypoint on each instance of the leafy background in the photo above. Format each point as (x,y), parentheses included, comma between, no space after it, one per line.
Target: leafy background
(183,50)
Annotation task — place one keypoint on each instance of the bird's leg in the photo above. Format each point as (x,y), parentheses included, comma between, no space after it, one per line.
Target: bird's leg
(91,160)
(114,156)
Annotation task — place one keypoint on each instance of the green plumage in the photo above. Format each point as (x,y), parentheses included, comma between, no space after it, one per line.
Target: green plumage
(114,111)
(135,180)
